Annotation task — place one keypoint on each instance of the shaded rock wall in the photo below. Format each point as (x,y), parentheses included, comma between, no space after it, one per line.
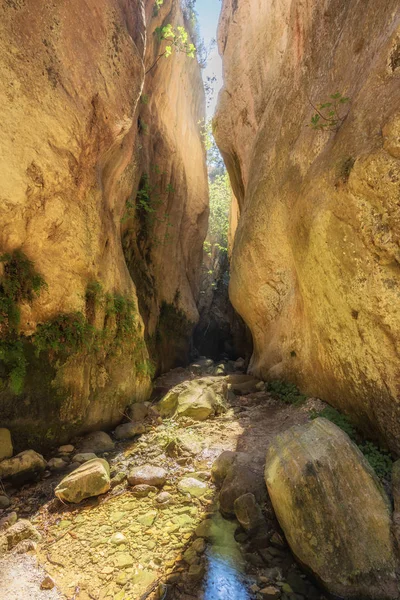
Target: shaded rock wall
(315,268)
(220,330)
(164,247)
(72,77)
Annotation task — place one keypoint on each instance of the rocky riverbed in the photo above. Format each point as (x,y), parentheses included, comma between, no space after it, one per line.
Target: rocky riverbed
(158,532)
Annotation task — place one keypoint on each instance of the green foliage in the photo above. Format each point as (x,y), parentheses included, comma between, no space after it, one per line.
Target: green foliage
(328,115)
(65,334)
(13,356)
(144,98)
(176,40)
(146,368)
(94,292)
(220,200)
(151,196)
(286,391)
(124,310)
(20,283)
(215,162)
(379,459)
(338,419)
(157,5)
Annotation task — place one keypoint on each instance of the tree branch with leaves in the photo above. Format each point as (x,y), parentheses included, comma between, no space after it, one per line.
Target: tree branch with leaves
(176,39)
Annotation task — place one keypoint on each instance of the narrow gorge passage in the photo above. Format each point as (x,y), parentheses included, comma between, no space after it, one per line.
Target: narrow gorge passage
(199,291)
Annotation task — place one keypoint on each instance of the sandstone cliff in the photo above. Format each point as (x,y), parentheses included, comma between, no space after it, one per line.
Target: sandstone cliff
(315,265)
(72,352)
(163,243)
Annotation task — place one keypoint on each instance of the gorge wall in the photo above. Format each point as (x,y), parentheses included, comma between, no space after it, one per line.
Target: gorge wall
(74,153)
(315,268)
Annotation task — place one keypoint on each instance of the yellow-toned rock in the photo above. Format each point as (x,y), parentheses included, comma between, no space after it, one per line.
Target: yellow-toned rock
(315,261)
(91,479)
(23,466)
(333,510)
(83,123)
(197,399)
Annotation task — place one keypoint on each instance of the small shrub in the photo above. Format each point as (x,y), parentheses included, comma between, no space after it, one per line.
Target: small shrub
(66,333)
(20,281)
(328,115)
(338,419)
(286,391)
(177,40)
(380,460)
(12,355)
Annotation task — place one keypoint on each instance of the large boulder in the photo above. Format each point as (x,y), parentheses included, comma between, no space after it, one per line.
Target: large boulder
(197,399)
(236,474)
(24,466)
(6,447)
(90,479)
(333,510)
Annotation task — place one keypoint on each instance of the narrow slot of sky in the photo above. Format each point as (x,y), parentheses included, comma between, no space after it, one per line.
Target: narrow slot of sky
(208,14)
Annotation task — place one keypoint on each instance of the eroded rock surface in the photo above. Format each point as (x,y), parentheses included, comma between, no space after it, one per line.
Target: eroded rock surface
(76,148)
(315,263)
(333,510)
(197,399)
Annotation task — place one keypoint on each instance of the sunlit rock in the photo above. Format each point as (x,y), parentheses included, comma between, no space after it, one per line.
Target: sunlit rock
(333,511)
(90,479)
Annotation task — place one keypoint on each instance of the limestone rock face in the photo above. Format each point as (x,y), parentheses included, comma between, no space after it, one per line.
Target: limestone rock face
(197,399)
(333,511)
(315,262)
(90,479)
(74,153)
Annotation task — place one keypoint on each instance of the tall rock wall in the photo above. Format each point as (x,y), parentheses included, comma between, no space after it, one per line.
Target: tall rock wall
(316,261)
(72,351)
(163,242)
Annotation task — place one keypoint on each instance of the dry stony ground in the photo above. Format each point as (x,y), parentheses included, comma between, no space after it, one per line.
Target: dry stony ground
(78,548)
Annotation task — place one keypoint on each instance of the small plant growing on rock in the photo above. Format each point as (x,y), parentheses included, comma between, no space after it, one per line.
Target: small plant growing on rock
(150,197)
(286,391)
(328,115)
(177,40)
